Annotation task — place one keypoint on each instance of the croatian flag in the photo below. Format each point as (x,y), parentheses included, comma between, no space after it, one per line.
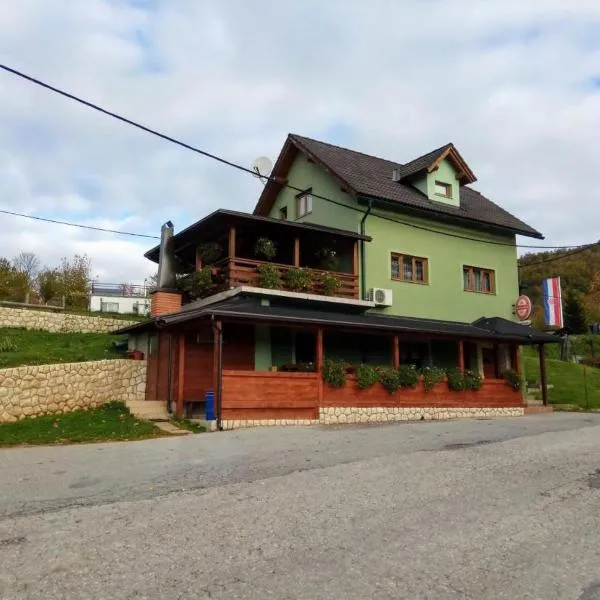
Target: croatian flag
(553,314)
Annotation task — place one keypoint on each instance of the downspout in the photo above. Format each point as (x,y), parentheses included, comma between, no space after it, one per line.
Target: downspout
(363,258)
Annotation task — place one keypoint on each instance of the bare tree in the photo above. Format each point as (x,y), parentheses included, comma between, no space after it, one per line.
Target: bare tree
(28,263)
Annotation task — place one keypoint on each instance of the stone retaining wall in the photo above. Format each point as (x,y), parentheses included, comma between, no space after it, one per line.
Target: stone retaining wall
(344,415)
(59,388)
(58,322)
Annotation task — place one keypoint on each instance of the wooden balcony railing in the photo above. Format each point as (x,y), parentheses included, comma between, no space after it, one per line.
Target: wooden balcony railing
(243,271)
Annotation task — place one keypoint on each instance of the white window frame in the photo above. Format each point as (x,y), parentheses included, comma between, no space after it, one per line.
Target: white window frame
(109,306)
(304,204)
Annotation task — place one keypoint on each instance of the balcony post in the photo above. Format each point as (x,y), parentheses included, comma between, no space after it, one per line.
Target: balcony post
(231,244)
(296,252)
(198,259)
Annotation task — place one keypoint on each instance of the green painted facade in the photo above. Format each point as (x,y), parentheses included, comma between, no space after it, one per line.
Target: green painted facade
(443,297)
(445,173)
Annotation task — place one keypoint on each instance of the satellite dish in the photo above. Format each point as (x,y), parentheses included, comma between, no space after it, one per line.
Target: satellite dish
(262,166)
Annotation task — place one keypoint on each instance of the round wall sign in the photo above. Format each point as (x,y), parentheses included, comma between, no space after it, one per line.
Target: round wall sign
(523,307)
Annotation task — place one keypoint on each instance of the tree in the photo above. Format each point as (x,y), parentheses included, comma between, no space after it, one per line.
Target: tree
(48,283)
(573,313)
(28,263)
(74,278)
(13,284)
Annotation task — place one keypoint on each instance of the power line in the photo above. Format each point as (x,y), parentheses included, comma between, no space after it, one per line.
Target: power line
(57,222)
(553,258)
(250,171)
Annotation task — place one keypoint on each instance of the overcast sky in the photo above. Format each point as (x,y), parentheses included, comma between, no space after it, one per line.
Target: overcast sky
(514,84)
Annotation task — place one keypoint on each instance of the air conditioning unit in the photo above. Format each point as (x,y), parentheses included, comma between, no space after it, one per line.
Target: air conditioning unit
(380,296)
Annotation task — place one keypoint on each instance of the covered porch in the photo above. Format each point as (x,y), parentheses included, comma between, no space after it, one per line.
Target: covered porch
(264,362)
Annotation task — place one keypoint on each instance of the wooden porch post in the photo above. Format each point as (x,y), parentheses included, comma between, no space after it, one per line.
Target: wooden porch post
(543,375)
(296,252)
(319,366)
(231,241)
(461,356)
(217,368)
(516,356)
(396,351)
(180,374)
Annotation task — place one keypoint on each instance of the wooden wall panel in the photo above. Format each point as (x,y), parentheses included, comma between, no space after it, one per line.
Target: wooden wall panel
(162,375)
(493,394)
(266,395)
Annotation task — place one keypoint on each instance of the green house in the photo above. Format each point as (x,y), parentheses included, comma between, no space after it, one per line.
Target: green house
(349,258)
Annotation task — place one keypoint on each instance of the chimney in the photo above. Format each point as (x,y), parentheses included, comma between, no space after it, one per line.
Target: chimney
(163,302)
(396,175)
(165,298)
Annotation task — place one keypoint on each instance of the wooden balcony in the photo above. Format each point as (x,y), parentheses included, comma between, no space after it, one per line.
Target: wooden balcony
(243,271)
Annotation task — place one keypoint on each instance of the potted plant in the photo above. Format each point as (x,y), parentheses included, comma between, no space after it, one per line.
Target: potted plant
(330,283)
(210,253)
(298,279)
(265,248)
(328,259)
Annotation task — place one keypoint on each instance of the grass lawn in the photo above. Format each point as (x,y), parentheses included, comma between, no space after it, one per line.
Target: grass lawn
(110,422)
(22,347)
(568,381)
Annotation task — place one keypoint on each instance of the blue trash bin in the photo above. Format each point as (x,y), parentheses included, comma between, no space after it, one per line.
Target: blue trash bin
(209,406)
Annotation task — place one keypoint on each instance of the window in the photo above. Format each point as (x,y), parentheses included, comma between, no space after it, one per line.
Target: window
(479,280)
(443,189)
(283,213)
(410,268)
(303,204)
(109,307)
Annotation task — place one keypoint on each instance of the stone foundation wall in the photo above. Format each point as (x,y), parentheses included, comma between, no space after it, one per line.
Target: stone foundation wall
(45,389)
(335,416)
(344,415)
(58,322)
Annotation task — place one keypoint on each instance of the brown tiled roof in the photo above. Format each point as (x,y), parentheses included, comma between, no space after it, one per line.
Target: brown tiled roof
(370,176)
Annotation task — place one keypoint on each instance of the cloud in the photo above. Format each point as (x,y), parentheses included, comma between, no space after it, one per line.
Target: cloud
(513,84)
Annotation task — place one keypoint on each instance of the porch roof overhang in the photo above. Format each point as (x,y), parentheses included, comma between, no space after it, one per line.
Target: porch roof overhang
(251,309)
(221,219)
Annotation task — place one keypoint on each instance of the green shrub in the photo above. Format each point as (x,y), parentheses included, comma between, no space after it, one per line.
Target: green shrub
(472,380)
(432,376)
(513,379)
(334,373)
(268,277)
(331,283)
(408,376)
(266,248)
(7,345)
(366,376)
(390,379)
(456,380)
(298,279)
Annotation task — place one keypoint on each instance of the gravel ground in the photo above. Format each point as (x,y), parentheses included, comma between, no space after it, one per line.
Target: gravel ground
(464,509)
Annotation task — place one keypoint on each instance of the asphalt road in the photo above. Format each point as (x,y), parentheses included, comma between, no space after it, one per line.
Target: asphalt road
(461,509)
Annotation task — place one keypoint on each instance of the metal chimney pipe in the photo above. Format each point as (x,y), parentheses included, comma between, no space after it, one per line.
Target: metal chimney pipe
(166,258)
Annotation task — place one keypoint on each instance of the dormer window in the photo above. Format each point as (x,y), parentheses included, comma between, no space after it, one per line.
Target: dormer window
(443,189)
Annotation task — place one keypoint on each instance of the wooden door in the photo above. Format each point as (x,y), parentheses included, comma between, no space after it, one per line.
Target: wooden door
(490,363)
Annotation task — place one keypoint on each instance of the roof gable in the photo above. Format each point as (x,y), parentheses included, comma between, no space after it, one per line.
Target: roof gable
(369,176)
